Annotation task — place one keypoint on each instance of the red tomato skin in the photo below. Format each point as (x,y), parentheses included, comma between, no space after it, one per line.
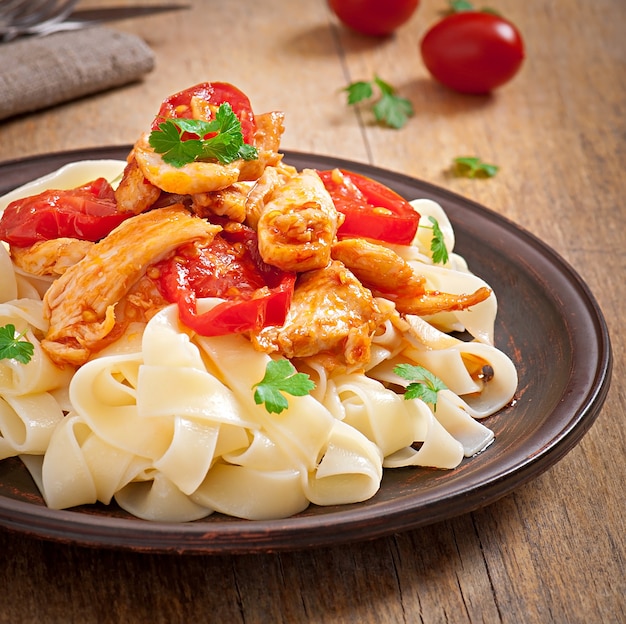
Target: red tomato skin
(176,106)
(473,52)
(376,18)
(362,219)
(256,294)
(88,212)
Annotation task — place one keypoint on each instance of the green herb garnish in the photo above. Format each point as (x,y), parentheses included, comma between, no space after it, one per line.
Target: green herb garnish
(461,6)
(281,376)
(458,6)
(13,347)
(438,249)
(473,167)
(225,145)
(389,109)
(424,385)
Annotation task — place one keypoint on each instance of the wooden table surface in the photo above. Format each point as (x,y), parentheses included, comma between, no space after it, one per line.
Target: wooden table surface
(552,551)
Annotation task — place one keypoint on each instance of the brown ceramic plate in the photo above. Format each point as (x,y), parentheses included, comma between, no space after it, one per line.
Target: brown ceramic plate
(548,323)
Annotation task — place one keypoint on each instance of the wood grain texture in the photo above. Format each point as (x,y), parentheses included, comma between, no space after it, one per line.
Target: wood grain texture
(555,549)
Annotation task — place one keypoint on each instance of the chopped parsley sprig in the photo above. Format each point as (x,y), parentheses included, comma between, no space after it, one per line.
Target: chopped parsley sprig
(424,385)
(13,347)
(438,249)
(225,144)
(389,109)
(473,167)
(462,6)
(280,377)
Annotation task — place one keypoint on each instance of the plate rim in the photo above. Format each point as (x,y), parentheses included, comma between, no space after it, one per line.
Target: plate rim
(235,536)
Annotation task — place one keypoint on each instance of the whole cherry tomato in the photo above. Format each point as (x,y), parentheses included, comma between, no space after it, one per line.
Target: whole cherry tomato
(472,51)
(374,17)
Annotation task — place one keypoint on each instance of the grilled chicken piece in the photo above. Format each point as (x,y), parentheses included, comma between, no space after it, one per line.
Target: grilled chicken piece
(206,177)
(229,202)
(298,224)
(194,177)
(269,131)
(135,193)
(270,128)
(51,257)
(243,201)
(271,179)
(331,312)
(388,275)
(80,305)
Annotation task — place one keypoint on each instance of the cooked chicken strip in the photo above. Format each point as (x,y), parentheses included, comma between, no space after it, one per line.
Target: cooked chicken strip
(298,225)
(195,177)
(331,312)
(51,257)
(135,193)
(80,305)
(206,177)
(270,128)
(243,201)
(229,202)
(388,275)
(433,301)
(271,179)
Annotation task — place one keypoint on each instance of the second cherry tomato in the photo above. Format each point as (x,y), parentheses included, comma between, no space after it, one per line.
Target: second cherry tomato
(472,51)
(376,18)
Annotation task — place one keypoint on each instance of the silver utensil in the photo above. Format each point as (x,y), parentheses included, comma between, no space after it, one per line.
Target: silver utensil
(58,15)
(18,16)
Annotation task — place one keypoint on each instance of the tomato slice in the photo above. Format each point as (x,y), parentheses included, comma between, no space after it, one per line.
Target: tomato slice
(371,209)
(257,294)
(88,212)
(179,105)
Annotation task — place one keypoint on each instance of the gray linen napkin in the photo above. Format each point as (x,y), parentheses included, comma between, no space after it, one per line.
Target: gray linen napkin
(39,72)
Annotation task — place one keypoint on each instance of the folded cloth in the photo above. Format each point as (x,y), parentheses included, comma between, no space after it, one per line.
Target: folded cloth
(37,72)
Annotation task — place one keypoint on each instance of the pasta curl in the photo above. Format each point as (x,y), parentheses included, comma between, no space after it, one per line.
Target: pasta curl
(148,414)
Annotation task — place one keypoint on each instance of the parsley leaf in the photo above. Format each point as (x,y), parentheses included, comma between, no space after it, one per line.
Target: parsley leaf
(389,109)
(458,6)
(12,346)
(358,91)
(281,376)
(461,6)
(225,145)
(438,247)
(167,142)
(473,167)
(424,385)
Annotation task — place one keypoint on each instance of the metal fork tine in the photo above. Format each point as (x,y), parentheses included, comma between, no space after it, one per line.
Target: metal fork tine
(28,15)
(34,13)
(39,11)
(11,8)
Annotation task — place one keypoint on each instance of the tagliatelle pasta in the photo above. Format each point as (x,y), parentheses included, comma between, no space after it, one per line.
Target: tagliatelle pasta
(133,399)
(164,422)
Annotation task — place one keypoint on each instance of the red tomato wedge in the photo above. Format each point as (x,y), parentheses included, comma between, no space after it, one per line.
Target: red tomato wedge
(88,212)
(257,294)
(371,209)
(180,105)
